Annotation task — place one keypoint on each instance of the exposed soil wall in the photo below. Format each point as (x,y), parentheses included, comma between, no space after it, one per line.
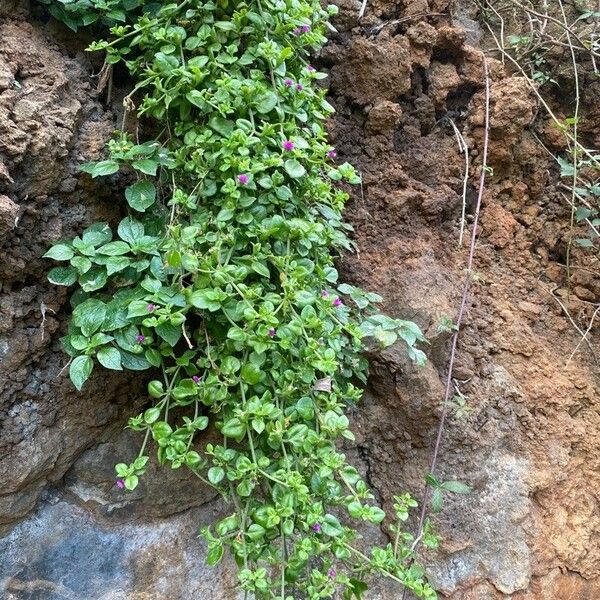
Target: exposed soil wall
(529,444)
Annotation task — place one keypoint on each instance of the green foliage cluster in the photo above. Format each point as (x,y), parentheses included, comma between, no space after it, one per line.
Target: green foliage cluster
(586,169)
(222,279)
(79,13)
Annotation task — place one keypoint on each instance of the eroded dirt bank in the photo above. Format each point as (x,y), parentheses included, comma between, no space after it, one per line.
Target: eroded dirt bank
(529,441)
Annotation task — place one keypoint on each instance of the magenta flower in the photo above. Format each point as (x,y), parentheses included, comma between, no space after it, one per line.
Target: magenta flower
(195,378)
(299,87)
(325,294)
(120,484)
(305,28)
(150,308)
(331,573)
(243,179)
(316,527)
(288,145)
(310,69)
(297,31)
(288,83)
(272,332)
(140,339)
(332,154)
(337,302)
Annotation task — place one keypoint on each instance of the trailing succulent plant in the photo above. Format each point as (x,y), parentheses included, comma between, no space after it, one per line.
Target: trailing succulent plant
(221,280)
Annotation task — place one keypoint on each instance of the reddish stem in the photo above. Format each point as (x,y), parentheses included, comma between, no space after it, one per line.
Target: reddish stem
(461,312)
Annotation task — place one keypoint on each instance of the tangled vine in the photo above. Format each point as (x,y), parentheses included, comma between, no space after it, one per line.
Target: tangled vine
(222,279)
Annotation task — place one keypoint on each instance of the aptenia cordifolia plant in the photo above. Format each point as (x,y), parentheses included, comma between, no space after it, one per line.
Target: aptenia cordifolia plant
(223,280)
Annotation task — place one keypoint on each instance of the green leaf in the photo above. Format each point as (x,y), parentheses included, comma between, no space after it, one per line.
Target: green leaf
(355,589)
(233,428)
(146,166)
(261,269)
(216,474)
(89,316)
(377,515)
(258,425)
(80,370)
(457,487)
(60,252)
(110,358)
(94,279)
(134,362)
(114,249)
(266,102)
(331,526)
(152,415)
(245,488)
(153,356)
(62,275)
(170,333)
(96,234)
(138,308)
(130,230)
(82,264)
(131,482)
(355,509)
(437,500)
(584,242)
(294,168)
(215,554)
(251,373)
(222,126)
(237,334)
(141,195)
(102,168)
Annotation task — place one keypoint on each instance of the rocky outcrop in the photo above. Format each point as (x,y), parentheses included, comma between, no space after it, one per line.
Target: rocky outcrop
(527,439)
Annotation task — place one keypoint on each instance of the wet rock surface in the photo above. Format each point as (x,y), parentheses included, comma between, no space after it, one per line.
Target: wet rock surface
(528,441)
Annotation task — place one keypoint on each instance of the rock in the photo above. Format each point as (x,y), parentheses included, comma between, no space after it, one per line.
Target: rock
(384,118)
(443,78)
(528,443)
(9,214)
(366,71)
(162,491)
(44,423)
(62,552)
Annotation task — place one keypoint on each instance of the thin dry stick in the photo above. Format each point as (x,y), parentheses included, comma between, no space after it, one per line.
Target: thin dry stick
(543,102)
(363,7)
(462,146)
(575,153)
(378,28)
(578,329)
(583,337)
(563,24)
(462,310)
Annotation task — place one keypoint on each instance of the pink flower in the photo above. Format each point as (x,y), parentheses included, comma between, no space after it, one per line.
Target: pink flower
(337,302)
(272,332)
(288,145)
(195,378)
(120,484)
(288,83)
(297,31)
(305,28)
(310,69)
(325,294)
(299,87)
(150,308)
(316,527)
(243,179)
(332,154)
(331,573)
(140,339)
